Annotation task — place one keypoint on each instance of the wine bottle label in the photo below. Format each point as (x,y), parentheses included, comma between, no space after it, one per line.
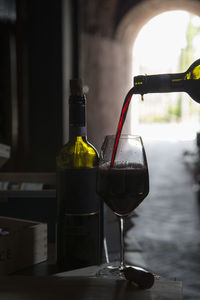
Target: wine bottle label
(76,191)
(79,221)
(78,241)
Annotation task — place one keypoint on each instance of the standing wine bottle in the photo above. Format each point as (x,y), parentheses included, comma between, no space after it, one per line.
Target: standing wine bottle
(79,222)
(188,82)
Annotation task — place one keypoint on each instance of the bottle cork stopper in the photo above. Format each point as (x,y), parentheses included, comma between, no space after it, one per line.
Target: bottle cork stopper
(76,87)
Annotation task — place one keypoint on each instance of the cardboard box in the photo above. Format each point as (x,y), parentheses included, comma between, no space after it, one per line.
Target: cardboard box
(23,243)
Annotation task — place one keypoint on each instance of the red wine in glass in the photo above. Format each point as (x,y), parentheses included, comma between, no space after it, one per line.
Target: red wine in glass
(123,187)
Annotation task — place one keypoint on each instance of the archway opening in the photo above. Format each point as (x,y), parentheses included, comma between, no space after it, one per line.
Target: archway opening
(168,43)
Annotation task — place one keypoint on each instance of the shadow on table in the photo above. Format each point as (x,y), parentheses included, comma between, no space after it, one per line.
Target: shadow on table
(76,288)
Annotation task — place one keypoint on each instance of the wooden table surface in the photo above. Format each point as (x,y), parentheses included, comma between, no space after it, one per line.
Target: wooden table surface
(81,284)
(84,288)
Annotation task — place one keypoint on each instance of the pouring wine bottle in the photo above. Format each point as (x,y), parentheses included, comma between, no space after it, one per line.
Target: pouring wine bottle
(79,230)
(188,82)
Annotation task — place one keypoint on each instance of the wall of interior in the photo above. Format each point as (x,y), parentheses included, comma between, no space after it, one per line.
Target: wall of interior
(43,42)
(108,78)
(31,104)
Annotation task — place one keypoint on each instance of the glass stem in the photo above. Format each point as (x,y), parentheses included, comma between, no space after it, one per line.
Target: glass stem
(121,230)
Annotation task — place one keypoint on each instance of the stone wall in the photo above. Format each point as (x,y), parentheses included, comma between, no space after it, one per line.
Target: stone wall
(107,72)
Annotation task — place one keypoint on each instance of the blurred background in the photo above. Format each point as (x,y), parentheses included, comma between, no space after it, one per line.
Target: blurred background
(45,43)
(105,43)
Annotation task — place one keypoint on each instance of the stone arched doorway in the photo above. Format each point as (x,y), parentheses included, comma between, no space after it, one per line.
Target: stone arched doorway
(107,66)
(132,21)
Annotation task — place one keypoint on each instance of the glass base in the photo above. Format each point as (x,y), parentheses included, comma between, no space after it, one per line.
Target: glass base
(113,270)
(136,275)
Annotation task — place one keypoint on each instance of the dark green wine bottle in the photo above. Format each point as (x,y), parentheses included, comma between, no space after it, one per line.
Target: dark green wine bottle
(79,230)
(188,82)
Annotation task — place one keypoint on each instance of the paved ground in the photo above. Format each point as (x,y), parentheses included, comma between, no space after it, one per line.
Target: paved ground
(168,224)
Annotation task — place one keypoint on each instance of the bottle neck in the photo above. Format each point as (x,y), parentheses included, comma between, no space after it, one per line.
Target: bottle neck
(77,117)
(161,83)
(77,131)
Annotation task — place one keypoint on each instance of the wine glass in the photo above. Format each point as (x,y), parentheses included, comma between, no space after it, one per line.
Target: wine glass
(122,186)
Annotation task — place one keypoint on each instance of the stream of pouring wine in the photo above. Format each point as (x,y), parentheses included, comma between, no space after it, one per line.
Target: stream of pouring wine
(121,122)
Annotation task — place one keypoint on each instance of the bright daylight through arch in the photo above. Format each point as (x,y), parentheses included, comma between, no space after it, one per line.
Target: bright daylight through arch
(168,43)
